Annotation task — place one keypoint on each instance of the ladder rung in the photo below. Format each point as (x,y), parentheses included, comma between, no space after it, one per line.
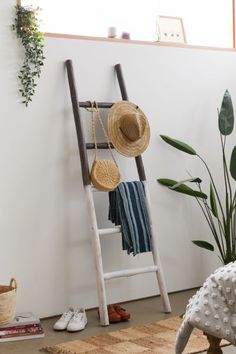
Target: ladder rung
(95,189)
(129,272)
(109,231)
(90,146)
(100,104)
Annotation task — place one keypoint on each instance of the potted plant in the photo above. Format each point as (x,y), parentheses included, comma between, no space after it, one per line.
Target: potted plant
(26,25)
(219,214)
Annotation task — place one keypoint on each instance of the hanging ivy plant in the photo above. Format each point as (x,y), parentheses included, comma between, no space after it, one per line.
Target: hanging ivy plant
(26,26)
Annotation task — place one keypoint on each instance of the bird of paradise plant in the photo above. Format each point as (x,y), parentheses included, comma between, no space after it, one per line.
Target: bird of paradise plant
(220,215)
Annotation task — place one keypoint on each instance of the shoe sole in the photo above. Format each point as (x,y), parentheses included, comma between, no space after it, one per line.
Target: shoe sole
(76,330)
(115,321)
(125,318)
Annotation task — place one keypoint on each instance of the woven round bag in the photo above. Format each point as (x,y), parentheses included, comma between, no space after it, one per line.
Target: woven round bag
(105,174)
(7,302)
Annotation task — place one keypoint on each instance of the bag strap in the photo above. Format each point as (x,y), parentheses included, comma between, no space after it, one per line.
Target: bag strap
(94,109)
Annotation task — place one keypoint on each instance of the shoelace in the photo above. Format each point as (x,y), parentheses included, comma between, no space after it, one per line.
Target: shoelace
(66,315)
(77,315)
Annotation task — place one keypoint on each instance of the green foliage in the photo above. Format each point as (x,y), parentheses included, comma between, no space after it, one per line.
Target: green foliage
(213,201)
(220,216)
(233,164)
(181,188)
(179,145)
(26,26)
(204,244)
(226,116)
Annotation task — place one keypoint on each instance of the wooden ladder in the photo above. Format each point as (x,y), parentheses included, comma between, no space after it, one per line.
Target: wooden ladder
(83,147)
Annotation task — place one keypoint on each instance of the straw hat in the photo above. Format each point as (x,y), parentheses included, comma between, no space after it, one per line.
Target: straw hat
(128,129)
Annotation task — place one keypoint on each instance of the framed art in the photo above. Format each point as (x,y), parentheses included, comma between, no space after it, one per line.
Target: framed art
(171,29)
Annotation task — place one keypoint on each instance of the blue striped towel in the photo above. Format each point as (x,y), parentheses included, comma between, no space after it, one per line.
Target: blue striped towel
(128,208)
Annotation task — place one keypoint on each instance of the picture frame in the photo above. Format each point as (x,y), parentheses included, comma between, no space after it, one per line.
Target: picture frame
(171,29)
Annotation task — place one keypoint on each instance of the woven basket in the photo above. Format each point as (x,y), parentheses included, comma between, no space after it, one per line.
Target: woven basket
(7,302)
(105,175)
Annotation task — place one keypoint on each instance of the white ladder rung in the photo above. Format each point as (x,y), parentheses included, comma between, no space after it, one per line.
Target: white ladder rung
(129,272)
(94,189)
(109,231)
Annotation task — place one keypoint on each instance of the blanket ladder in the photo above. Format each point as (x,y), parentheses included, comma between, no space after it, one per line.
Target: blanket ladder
(83,147)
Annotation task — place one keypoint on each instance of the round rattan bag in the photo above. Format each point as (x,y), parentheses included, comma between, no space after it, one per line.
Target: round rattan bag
(7,302)
(105,174)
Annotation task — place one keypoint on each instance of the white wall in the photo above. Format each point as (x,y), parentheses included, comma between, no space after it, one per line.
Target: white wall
(44,231)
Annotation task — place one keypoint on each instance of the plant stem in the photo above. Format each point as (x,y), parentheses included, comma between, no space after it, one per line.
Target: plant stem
(208,216)
(233,231)
(225,168)
(221,232)
(230,243)
(225,178)
(211,224)
(205,214)
(213,184)
(209,213)
(232,234)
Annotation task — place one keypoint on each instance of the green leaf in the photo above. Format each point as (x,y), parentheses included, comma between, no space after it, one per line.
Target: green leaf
(26,25)
(233,164)
(213,202)
(204,244)
(226,115)
(192,180)
(179,145)
(182,188)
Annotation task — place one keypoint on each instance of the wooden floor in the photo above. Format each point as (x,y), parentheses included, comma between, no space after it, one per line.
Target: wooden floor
(142,311)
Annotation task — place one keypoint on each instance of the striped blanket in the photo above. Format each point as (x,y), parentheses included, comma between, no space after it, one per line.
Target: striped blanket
(128,208)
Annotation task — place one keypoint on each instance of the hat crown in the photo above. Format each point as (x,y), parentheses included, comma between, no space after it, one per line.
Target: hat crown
(132,126)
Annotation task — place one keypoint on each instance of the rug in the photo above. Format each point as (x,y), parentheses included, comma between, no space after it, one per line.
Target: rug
(151,338)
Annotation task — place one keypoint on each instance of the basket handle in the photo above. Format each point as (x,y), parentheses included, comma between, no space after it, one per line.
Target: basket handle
(13,283)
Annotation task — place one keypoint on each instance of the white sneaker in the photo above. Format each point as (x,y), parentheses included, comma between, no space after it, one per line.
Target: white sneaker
(78,321)
(63,321)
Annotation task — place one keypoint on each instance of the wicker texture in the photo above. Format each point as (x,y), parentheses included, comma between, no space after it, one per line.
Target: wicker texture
(151,338)
(7,302)
(105,175)
(128,129)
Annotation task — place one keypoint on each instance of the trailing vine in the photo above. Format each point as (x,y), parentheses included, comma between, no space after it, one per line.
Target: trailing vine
(26,25)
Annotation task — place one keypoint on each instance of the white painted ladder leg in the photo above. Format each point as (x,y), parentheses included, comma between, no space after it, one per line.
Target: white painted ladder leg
(98,260)
(156,258)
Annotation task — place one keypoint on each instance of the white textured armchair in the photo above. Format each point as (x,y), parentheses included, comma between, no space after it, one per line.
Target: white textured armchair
(213,310)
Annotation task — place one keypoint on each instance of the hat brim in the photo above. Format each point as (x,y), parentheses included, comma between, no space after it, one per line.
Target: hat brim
(121,143)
